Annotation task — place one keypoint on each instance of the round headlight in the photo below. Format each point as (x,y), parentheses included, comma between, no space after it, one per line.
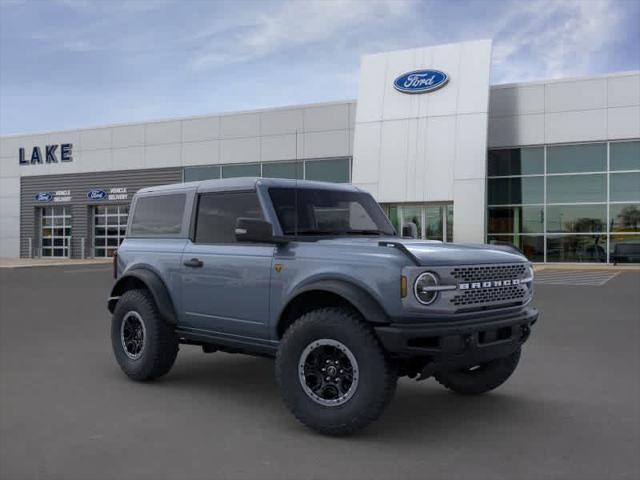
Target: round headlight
(425,288)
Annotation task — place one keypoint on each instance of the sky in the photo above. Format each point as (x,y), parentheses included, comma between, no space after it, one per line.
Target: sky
(79,63)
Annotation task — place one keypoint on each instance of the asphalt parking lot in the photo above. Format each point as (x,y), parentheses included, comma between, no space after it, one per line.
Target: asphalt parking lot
(572,409)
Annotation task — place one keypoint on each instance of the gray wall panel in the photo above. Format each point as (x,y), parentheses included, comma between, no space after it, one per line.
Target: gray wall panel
(79,185)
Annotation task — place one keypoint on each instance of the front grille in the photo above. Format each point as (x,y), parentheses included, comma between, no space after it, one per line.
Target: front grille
(512,293)
(489,272)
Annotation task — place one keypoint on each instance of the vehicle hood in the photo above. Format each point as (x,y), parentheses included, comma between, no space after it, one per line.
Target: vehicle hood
(434,253)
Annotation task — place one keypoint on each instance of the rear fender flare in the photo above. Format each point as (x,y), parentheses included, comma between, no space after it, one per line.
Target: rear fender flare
(152,282)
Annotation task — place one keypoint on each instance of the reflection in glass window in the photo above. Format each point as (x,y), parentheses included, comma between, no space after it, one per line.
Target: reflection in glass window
(516,220)
(328,170)
(449,223)
(531,245)
(282,170)
(625,187)
(591,157)
(219,212)
(576,218)
(241,170)
(624,248)
(576,188)
(208,172)
(624,217)
(576,248)
(624,156)
(516,161)
(159,215)
(515,191)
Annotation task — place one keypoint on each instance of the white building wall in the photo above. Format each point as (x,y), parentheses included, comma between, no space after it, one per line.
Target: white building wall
(428,147)
(318,130)
(564,111)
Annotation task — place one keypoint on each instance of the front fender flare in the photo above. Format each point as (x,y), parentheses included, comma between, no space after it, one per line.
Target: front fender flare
(368,306)
(153,283)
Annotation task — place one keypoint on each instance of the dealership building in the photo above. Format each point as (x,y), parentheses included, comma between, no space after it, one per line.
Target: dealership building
(552,166)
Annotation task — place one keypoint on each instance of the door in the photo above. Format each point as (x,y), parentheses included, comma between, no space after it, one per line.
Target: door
(225,287)
(55,231)
(109,229)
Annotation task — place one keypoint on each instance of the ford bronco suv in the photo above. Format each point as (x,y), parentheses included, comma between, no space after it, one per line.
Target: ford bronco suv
(314,275)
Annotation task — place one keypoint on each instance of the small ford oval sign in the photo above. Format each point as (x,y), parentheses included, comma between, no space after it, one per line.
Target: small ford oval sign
(44,196)
(420,81)
(97,195)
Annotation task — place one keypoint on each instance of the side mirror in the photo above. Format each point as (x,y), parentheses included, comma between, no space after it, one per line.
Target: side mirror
(254,230)
(410,230)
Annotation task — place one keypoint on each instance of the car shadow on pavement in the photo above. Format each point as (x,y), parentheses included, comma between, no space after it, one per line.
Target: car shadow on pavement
(419,410)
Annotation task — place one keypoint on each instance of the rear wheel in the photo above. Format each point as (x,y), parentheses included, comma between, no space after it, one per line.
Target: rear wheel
(480,378)
(145,347)
(332,372)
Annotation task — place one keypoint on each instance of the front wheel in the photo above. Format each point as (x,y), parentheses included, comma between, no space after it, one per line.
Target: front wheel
(332,372)
(480,378)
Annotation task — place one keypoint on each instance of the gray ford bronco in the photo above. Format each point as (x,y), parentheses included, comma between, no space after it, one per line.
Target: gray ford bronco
(314,275)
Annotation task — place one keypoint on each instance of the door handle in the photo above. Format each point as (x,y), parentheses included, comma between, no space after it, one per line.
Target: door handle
(194,262)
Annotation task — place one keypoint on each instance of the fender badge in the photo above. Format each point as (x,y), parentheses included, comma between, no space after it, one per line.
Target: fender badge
(278,267)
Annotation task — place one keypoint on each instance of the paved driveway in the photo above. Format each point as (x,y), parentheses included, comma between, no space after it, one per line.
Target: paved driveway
(571,411)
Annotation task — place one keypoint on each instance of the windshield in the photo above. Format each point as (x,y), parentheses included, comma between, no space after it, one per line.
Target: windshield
(306,211)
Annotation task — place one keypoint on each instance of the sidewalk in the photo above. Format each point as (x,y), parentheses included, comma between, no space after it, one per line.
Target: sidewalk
(599,267)
(49,262)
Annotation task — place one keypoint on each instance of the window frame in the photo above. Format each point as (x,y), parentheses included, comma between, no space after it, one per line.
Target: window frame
(193,227)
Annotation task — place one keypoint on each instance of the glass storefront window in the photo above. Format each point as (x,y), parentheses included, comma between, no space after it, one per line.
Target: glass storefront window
(516,220)
(576,188)
(328,170)
(624,155)
(282,170)
(590,157)
(209,172)
(434,223)
(576,218)
(624,249)
(241,170)
(531,245)
(515,191)
(624,217)
(624,187)
(516,161)
(576,248)
(422,221)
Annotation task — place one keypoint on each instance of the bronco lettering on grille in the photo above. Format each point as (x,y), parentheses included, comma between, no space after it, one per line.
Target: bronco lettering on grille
(489,284)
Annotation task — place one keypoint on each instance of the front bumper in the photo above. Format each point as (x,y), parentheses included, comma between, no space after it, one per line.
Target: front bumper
(461,342)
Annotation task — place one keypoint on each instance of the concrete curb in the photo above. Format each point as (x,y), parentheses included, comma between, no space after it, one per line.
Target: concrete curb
(39,262)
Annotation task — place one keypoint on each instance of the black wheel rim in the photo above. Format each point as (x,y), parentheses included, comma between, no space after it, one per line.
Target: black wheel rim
(132,335)
(328,372)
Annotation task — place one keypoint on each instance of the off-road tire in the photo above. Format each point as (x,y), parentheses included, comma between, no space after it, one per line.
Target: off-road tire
(160,346)
(485,378)
(377,377)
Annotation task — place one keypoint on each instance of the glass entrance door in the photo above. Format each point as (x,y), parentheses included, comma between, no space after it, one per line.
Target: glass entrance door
(55,231)
(109,228)
(429,222)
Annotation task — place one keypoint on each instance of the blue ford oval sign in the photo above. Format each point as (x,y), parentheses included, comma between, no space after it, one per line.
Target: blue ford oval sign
(97,195)
(44,196)
(420,81)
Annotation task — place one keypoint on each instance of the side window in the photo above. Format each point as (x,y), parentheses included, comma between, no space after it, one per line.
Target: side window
(159,215)
(218,212)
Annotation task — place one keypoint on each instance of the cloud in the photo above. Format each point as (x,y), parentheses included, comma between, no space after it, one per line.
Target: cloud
(288,25)
(549,39)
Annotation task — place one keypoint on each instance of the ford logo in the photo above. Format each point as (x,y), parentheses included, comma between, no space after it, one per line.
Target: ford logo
(420,81)
(97,195)
(44,196)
